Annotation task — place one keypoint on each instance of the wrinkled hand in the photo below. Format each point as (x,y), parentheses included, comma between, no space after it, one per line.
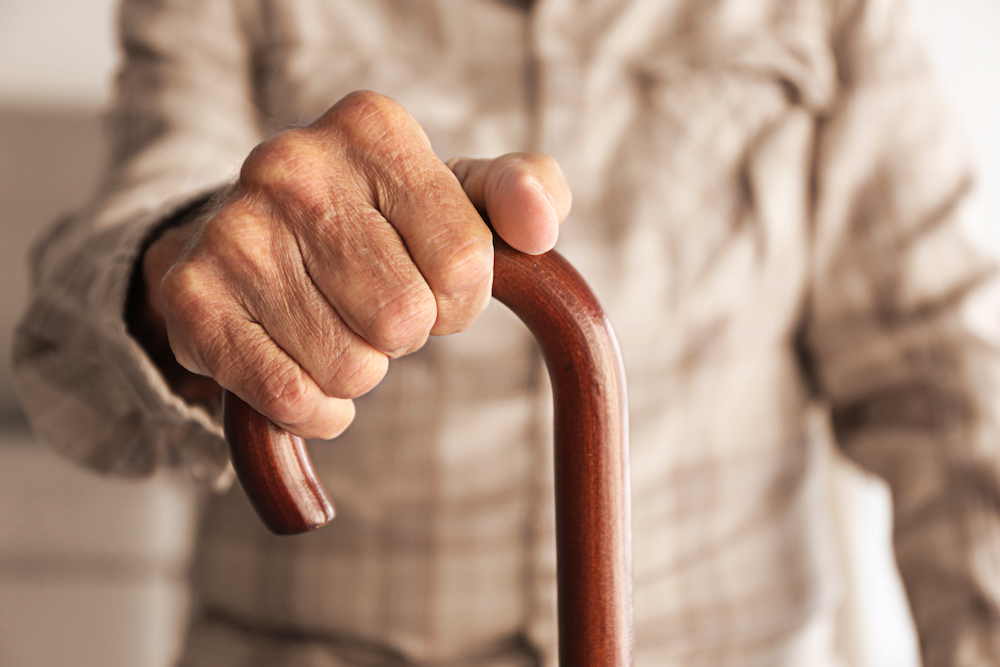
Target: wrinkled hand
(343,244)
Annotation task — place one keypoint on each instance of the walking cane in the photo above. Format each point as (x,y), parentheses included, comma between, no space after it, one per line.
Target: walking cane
(593,516)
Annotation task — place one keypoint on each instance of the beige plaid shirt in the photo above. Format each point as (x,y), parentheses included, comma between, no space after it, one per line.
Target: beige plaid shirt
(765,200)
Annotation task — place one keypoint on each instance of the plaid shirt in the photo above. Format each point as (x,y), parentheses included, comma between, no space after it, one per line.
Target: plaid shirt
(766,199)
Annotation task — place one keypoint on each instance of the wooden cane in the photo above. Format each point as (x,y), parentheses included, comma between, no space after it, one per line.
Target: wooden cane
(593,515)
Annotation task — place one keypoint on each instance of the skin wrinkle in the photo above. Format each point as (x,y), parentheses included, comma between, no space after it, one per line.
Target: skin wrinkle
(284,400)
(341,359)
(389,323)
(391,341)
(372,137)
(282,169)
(443,253)
(385,269)
(449,288)
(335,260)
(437,199)
(188,296)
(319,232)
(394,172)
(309,205)
(284,391)
(437,257)
(399,172)
(323,326)
(329,332)
(245,255)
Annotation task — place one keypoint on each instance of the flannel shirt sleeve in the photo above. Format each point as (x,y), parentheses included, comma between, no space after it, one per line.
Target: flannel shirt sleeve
(181,125)
(901,330)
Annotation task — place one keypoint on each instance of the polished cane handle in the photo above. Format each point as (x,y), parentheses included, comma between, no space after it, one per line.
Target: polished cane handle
(593,515)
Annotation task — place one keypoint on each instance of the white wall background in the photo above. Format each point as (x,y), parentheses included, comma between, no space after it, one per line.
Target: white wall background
(961,37)
(56,53)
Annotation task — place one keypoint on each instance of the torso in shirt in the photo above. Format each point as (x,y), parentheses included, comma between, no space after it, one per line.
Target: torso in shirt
(685,130)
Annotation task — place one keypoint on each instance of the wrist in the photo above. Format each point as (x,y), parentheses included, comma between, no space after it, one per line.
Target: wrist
(143,314)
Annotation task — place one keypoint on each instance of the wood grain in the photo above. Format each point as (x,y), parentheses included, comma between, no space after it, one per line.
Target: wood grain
(275,470)
(593,511)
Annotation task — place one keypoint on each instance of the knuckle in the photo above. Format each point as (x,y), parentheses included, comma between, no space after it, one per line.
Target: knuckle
(467,269)
(184,295)
(242,245)
(222,229)
(365,117)
(520,169)
(402,323)
(510,174)
(463,290)
(192,311)
(235,247)
(290,165)
(357,374)
(366,104)
(284,393)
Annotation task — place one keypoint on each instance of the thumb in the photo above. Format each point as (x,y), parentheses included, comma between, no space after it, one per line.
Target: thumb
(524,194)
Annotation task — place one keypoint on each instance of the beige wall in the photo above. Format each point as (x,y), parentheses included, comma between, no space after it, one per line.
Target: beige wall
(92,571)
(49,162)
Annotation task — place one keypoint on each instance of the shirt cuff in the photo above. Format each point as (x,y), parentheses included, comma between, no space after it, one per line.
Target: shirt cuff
(88,387)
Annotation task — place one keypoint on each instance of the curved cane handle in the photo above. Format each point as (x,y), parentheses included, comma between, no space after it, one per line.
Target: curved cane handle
(275,470)
(593,513)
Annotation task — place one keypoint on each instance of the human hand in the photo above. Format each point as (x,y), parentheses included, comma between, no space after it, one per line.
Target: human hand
(343,244)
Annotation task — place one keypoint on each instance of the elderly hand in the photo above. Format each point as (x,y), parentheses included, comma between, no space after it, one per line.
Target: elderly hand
(343,244)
